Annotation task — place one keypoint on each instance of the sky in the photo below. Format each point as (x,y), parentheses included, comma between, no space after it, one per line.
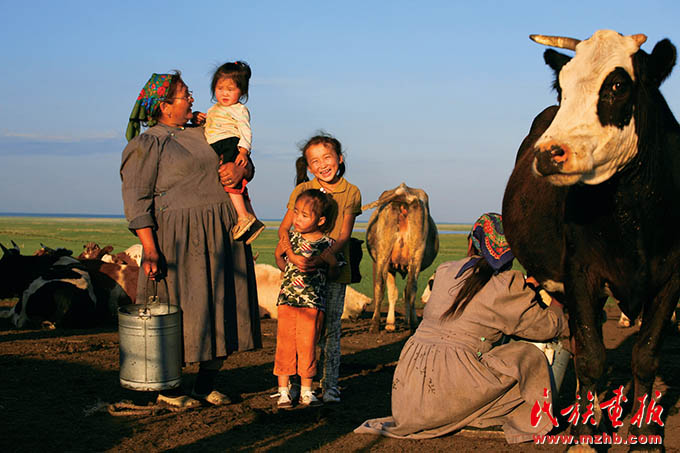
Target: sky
(438,95)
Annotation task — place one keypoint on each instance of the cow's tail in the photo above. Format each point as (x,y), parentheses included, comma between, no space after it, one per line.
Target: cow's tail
(383,201)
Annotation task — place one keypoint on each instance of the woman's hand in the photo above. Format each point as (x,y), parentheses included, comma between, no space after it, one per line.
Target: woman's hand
(151,264)
(545,296)
(228,176)
(151,259)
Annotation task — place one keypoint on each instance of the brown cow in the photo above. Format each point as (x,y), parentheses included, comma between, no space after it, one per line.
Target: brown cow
(401,237)
(114,285)
(92,251)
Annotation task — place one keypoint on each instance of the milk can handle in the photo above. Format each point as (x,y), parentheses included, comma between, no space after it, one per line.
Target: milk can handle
(155,292)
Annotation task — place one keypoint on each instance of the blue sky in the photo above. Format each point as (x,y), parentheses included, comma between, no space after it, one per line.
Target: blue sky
(435,94)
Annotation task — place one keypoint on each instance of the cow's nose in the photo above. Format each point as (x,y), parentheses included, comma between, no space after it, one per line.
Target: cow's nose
(557,153)
(550,161)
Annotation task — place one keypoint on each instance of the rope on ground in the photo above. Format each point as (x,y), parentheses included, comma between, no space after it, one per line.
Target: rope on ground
(127,409)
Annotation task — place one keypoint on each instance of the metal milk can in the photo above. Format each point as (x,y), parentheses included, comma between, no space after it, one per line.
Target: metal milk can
(150,344)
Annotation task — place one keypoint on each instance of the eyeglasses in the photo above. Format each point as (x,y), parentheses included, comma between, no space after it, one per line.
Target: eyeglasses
(190,95)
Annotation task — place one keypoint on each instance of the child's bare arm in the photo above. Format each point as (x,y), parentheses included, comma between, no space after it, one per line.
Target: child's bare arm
(328,257)
(279,254)
(345,233)
(303,263)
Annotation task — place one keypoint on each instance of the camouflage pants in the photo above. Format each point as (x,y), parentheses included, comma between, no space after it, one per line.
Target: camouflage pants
(329,358)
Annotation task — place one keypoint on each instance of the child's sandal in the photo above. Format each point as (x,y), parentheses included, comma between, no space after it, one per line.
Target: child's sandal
(255,230)
(242,226)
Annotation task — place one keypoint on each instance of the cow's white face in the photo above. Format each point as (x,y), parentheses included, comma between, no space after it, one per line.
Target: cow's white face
(593,133)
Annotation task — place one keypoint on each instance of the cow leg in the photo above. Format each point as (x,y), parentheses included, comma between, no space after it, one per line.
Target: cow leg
(585,309)
(378,294)
(392,296)
(645,362)
(410,296)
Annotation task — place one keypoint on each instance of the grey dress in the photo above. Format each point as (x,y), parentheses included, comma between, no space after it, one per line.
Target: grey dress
(450,376)
(170,183)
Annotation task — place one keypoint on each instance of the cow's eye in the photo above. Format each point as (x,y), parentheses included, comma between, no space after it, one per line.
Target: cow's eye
(619,88)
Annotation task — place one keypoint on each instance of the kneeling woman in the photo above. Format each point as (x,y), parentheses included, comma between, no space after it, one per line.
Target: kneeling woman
(449,374)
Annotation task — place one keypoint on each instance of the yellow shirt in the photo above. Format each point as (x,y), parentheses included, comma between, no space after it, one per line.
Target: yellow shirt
(348,198)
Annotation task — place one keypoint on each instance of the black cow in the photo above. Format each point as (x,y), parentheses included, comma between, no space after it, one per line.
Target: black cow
(592,204)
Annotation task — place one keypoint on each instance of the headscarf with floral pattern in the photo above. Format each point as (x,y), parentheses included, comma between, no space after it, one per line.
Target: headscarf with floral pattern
(489,240)
(147,103)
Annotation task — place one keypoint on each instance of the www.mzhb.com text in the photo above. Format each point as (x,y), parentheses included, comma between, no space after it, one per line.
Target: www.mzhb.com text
(598,439)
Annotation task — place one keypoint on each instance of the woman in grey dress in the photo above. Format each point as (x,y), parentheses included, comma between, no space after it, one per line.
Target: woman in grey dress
(449,373)
(175,203)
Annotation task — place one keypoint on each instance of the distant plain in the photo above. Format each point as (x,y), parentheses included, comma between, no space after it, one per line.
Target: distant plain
(72,233)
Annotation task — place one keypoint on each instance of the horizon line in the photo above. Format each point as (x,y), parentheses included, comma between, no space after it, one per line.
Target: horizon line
(121,216)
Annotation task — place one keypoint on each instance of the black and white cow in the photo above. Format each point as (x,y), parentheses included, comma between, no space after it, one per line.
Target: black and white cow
(52,287)
(592,204)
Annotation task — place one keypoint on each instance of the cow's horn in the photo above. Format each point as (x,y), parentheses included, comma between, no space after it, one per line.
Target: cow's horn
(16,247)
(556,41)
(639,39)
(4,249)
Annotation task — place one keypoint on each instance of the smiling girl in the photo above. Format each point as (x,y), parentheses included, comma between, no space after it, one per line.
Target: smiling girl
(322,157)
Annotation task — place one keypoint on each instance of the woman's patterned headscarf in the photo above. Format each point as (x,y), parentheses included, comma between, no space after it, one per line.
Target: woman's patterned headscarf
(488,238)
(147,103)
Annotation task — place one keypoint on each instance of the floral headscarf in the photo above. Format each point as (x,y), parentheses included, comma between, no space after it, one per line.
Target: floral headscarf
(488,238)
(147,103)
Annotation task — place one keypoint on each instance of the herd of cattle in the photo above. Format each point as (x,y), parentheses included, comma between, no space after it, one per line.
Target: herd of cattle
(590,210)
(56,289)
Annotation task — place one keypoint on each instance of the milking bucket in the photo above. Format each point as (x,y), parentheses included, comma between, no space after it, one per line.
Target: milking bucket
(559,364)
(150,345)
(558,360)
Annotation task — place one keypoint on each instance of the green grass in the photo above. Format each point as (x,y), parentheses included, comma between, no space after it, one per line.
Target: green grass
(73,233)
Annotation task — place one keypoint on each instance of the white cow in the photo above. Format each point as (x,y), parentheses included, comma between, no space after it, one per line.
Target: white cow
(269,282)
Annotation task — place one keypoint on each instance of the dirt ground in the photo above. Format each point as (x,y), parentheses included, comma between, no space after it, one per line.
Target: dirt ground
(55,387)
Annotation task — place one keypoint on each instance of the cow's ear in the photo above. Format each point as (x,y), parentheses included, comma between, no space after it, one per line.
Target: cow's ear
(555,60)
(661,61)
(4,249)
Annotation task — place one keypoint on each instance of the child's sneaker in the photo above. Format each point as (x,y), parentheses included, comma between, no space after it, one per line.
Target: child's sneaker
(285,401)
(331,395)
(255,230)
(242,226)
(308,399)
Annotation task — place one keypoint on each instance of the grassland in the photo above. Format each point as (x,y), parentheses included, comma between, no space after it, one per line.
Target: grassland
(72,233)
